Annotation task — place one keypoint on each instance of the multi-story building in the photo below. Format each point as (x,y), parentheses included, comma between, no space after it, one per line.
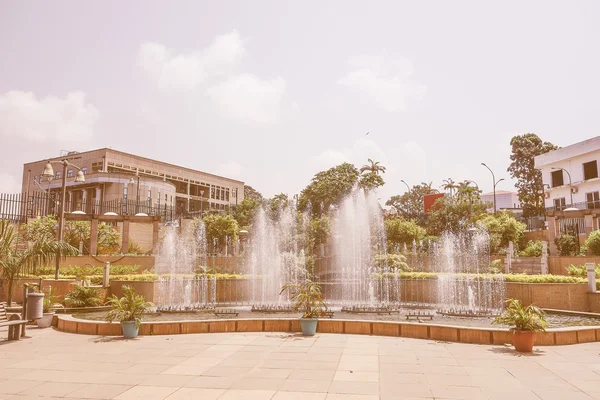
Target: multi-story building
(135,183)
(505,200)
(570,176)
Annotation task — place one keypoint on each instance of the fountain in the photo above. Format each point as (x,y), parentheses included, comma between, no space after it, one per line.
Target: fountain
(181,285)
(276,256)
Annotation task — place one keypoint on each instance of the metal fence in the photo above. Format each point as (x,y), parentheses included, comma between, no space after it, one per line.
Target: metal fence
(584,205)
(18,207)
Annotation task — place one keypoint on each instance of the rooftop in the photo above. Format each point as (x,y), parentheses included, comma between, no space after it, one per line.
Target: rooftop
(565,153)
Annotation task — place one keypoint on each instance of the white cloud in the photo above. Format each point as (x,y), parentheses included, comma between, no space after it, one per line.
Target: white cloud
(172,71)
(383,80)
(248,98)
(230,170)
(34,128)
(49,119)
(358,154)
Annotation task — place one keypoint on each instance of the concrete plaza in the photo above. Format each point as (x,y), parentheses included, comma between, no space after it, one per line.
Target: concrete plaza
(288,366)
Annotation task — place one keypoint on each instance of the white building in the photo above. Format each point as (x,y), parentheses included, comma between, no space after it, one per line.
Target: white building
(505,200)
(570,175)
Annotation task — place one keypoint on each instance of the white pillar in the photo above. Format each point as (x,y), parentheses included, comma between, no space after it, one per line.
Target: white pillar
(591,275)
(106,276)
(83,199)
(509,256)
(544,257)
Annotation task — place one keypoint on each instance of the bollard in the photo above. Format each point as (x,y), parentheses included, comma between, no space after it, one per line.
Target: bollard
(544,260)
(106,276)
(591,275)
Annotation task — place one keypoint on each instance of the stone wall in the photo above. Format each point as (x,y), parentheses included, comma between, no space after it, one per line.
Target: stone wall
(558,265)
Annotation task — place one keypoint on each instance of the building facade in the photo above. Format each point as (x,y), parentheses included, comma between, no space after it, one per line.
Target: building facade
(505,200)
(133,183)
(570,176)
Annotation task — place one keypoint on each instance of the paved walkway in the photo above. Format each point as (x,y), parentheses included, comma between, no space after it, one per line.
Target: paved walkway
(287,366)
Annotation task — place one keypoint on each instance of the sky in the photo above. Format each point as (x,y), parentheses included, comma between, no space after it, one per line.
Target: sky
(271,92)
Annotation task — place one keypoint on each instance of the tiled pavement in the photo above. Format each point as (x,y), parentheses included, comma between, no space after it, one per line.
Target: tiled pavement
(287,366)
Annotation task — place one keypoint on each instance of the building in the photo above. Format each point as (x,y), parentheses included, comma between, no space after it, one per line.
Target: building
(570,176)
(505,200)
(129,184)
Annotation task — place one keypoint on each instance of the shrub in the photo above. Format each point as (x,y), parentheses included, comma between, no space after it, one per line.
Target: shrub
(82,296)
(503,228)
(533,249)
(400,231)
(130,307)
(566,245)
(524,319)
(593,243)
(397,261)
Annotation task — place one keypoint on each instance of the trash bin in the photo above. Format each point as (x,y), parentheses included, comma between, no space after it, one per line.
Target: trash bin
(35,306)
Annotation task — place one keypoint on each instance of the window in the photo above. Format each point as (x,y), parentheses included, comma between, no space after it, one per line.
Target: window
(212,192)
(590,170)
(593,200)
(149,195)
(35,178)
(227,195)
(84,170)
(125,190)
(69,173)
(557,178)
(58,174)
(560,204)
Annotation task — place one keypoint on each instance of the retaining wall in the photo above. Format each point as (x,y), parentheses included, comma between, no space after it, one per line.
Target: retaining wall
(559,265)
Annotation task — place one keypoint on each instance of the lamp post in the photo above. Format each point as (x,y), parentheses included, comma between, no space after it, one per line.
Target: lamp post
(570,183)
(495,183)
(407,187)
(137,194)
(80,178)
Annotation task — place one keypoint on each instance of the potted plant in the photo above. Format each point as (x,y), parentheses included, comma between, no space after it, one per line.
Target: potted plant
(524,322)
(128,311)
(50,303)
(307,298)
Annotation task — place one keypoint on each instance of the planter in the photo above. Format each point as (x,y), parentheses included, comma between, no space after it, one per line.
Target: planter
(523,341)
(130,330)
(45,321)
(309,326)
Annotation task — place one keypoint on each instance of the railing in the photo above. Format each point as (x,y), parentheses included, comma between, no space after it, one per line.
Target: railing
(18,207)
(584,205)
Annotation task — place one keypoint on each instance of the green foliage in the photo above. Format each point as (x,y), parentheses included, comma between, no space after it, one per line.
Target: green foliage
(467,192)
(319,230)
(503,228)
(399,231)
(496,267)
(307,298)
(522,168)
(81,296)
(245,211)
(86,270)
(328,188)
(15,262)
(533,249)
(566,245)
(410,204)
(581,270)
(450,213)
(219,227)
(40,229)
(251,193)
(370,181)
(593,243)
(510,278)
(51,301)
(524,319)
(109,239)
(397,261)
(130,307)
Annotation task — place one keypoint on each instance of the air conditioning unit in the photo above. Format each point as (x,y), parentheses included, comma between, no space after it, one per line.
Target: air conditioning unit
(574,190)
(546,195)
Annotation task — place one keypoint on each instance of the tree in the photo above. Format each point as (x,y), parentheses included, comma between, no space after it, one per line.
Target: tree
(109,239)
(371,180)
(245,211)
(14,262)
(399,231)
(219,228)
(449,185)
(410,204)
(373,167)
(466,192)
(328,188)
(251,193)
(503,228)
(522,168)
(449,214)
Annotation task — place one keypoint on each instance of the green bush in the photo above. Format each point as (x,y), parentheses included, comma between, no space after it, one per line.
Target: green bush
(533,249)
(581,270)
(566,245)
(512,278)
(82,296)
(84,271)
(393,261)
(593,243)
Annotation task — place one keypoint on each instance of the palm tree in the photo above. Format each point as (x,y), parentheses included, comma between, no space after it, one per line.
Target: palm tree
(467,192)
(374,167)
(449,185)
(15,262)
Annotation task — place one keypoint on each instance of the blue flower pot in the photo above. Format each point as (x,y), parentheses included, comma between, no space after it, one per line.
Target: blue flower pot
(309,326)
(130,330)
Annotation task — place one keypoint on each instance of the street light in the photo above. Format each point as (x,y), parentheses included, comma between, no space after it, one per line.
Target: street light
(137,194)
(408,187)
(495,183)
(80,178)
(570,185)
